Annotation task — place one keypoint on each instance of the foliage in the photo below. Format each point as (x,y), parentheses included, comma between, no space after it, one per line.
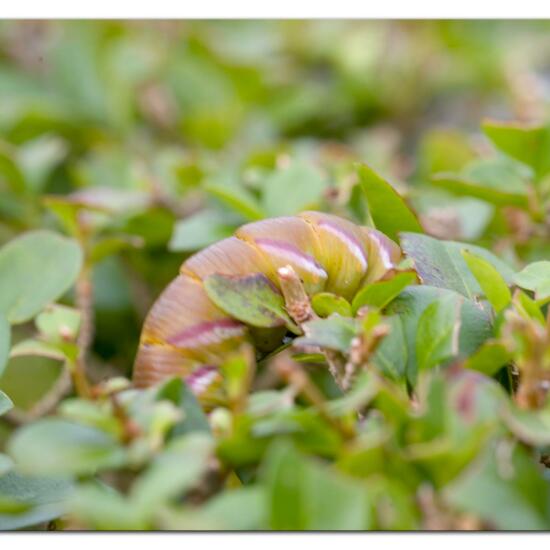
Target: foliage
(421,402)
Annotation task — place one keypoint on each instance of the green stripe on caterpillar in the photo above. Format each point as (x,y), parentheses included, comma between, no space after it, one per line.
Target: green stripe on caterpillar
(186,334)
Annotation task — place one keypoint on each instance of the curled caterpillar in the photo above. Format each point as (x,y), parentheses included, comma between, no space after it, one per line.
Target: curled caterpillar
(186,334)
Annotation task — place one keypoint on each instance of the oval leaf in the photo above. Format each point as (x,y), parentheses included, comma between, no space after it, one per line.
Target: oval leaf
(381,293)
(60,447)
(528,144)
(58,323)
(491,282)
(535,277)
(437,336)
(333,333)
(32,500)
(326,303)
(35,270)
(252,299)
(293,189)
(440,263)
(388,210)
(464,187)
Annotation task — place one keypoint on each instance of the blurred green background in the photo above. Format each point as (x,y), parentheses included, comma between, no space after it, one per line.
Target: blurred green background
(149,140)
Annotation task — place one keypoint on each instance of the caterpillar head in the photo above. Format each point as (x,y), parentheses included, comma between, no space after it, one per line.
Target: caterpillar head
(186,334)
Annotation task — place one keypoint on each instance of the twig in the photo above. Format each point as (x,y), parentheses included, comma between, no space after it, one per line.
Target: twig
(294,374)
(297,302)
(61,387)
(84,302)
(130,429)
(336,366)
(43,406)
(298,306)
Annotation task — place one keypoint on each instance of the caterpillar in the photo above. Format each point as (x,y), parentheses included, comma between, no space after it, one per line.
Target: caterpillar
(185,334)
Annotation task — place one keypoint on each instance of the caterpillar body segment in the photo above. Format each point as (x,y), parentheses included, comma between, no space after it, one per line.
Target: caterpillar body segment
(186,334)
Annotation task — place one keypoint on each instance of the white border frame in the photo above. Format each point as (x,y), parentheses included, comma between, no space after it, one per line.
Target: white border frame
(281,9)
(273,541)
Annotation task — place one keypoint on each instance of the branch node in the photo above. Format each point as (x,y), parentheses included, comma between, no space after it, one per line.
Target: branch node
(297,302)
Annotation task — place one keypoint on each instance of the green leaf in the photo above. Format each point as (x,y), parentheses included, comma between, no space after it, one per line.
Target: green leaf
(35,269)
(237,370)
(535,277)
(441,264)
(526,307)
(528,144)
(291,190)
(333,333)
(392,354)
(66,211)
(458,413)
(200,230)
(444,150)
(397,353)
(37,348)
(242,509)
(499,181)
(5,403)
(90,413)
(326,303)
(252,299)
(5,340)
(491,282)
(505,488)
(364,389)
(489,358)
(173,472)
(103,508)
(381,293)
(530,426)
(34,500)
(388,210)
(238,199)
(463,187)
(304,495)
(58,323)
(437,336)
(500,172)
(194,419)
(59,447)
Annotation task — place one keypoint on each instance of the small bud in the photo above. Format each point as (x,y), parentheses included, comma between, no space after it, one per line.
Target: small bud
(221,421)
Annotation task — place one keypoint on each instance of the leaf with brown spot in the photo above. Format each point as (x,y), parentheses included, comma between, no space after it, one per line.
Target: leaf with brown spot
(252,299)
